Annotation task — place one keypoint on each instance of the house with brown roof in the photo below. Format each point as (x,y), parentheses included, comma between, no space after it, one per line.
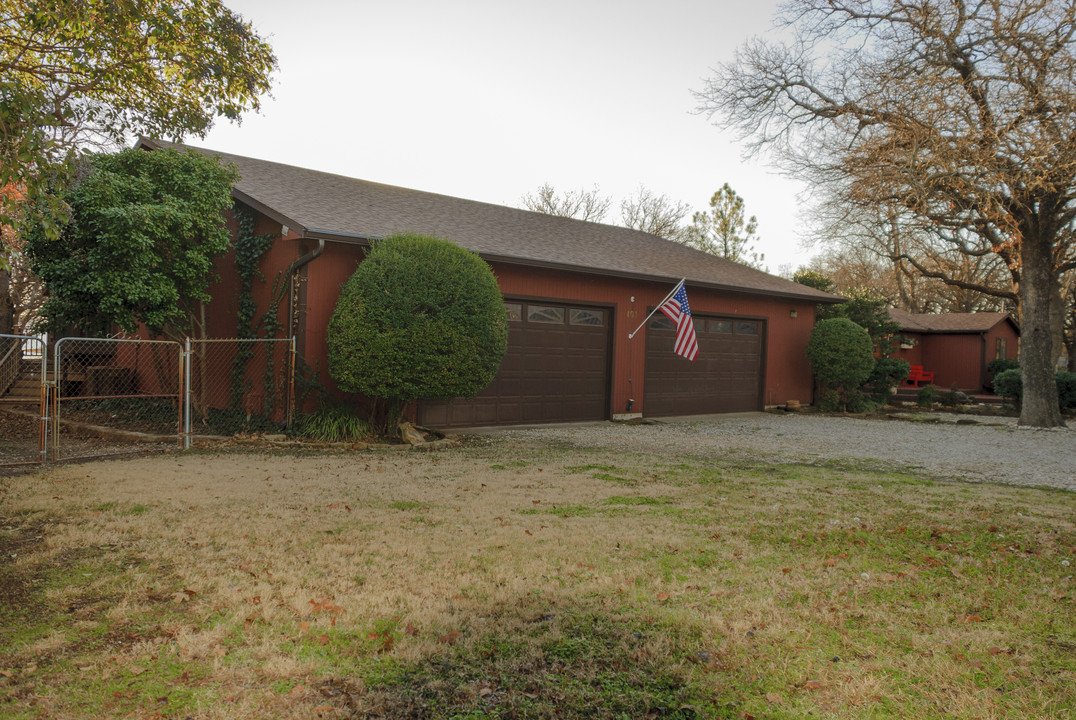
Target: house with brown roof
(957,347)
(573,291)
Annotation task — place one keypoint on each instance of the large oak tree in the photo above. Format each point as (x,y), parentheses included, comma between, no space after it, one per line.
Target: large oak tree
(962,114)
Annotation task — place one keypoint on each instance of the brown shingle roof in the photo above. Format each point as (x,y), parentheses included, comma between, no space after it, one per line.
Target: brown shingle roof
(949,322)
(335,207)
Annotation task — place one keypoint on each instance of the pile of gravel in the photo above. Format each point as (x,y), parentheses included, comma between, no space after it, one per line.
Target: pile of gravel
(976,449)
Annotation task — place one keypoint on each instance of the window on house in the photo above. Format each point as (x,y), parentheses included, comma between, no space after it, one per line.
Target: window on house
(514,310)
(744,327)
(579,316)
(545,314)
(1002,348)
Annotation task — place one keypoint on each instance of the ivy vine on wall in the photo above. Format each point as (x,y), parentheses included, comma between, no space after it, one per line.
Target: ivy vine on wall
(249,250)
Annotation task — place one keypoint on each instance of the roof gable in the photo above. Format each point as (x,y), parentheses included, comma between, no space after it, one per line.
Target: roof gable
(343,209)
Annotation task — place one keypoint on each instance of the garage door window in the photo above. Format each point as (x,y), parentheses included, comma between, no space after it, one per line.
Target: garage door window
(720,326)
(660,322)
(747,328)
(545,314)
(578,316)
(515,311)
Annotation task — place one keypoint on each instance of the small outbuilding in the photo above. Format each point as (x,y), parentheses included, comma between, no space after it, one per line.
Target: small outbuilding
(573,291)
(957,347)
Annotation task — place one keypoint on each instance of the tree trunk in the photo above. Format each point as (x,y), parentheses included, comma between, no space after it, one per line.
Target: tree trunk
(1038,294)
(7,305)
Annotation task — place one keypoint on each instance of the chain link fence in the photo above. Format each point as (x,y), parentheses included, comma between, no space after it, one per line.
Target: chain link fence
(116,395)
(23,399)
(239,386)
(107,396)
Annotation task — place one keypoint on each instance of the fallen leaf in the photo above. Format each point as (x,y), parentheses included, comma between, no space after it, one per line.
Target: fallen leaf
(449,638)
(410,630)
(814,685)
(323,639)
(304,626)
(136,670)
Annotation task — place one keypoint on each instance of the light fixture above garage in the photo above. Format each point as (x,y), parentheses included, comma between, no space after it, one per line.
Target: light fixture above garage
(793,313)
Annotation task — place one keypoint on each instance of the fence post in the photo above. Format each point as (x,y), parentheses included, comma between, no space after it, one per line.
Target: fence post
(185,374)
(291,381)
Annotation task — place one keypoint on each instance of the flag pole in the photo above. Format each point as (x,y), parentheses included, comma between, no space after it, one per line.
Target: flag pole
(657,307)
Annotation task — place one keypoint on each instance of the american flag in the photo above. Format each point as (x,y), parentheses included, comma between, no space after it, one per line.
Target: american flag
(677,310)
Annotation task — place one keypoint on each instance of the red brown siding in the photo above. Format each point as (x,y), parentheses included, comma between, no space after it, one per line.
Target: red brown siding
(787,375)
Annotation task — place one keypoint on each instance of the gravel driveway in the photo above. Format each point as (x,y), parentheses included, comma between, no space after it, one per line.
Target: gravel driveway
(992,449)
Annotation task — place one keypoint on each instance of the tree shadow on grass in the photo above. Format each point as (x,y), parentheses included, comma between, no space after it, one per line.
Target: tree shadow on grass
(538,660)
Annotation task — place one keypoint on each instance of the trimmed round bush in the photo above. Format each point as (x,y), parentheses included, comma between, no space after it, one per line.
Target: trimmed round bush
(840,353)
(420,318)
(1009,385)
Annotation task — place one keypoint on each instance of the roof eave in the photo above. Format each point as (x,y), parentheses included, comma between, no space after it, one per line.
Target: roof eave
(356,239)
(739,289)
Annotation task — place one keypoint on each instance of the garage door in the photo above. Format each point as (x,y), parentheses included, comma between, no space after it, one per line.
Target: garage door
(556,370)
(725,377)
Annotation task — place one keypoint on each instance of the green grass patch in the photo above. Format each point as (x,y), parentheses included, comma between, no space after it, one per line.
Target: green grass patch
(571,663)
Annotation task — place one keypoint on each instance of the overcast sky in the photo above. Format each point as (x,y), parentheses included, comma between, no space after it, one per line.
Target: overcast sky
(487,100)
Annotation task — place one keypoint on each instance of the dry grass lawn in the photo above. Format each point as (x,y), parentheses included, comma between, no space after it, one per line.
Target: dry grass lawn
(498,580)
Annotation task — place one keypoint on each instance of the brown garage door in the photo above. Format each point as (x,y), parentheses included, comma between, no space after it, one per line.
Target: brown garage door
(725,377)
(556,370)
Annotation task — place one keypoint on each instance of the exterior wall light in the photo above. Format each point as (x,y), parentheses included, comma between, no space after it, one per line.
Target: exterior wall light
(793,313)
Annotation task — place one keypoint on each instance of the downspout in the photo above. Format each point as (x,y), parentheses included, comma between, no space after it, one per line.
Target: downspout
(291,272)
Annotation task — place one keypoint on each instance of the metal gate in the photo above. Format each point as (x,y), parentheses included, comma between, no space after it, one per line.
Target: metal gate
(113,396)
(24,395)
(109,396)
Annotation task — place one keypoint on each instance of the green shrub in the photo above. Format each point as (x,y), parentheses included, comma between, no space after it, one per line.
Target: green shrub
(1066,390)
(926,396)
(888,373)
(950,398)
(420,318)
(334,423)
(1009,385)
(841,355)
(857,401)
(830,400)
(1001,365)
